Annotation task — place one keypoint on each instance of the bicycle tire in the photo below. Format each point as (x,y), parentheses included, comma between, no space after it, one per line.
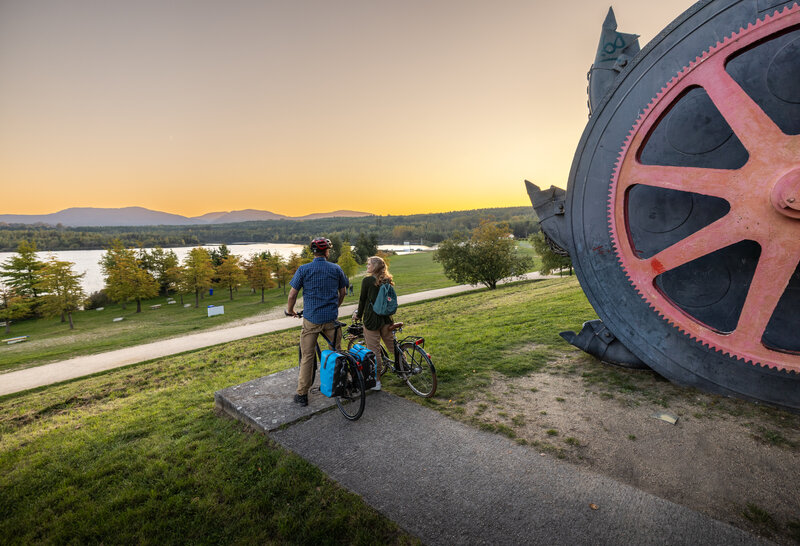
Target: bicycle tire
(384,356)
(417,370)
(351,403)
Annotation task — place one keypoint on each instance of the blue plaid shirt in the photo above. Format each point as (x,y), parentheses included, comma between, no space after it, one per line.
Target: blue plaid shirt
(320,281)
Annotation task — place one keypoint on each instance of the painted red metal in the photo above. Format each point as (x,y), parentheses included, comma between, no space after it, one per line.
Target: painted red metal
(764,198)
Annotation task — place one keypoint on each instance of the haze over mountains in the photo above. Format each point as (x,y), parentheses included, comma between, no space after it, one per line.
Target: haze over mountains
(139,216)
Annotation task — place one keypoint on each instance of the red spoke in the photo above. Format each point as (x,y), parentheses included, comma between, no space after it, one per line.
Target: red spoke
(714,182)
(754,128)
(724,232)
(775,268)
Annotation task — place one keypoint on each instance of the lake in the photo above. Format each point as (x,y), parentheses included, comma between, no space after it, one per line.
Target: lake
(88,261)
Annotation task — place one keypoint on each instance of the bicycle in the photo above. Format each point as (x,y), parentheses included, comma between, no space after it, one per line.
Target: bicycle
(411,363)
(351,402)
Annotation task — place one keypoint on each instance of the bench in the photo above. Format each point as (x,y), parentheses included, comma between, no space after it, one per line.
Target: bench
(12,340)
(158,306)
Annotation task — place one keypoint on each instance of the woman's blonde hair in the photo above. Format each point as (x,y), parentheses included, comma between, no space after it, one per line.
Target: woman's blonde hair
(380,270)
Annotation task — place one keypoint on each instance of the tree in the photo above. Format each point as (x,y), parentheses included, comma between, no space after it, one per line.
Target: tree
(171,279)
(126,279)
(12,307)
(219,254)
(62,290)
(306,254)
(346,261)
(336,249)
(230,273)
(366,246)
(197,272)
(22,273)
(158,262)
(293,263)
(116,265)
(551,261)
(485,257)
(259,274)
(281,270)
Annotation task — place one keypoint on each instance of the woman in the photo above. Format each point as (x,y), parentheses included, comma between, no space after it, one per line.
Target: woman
(376,327)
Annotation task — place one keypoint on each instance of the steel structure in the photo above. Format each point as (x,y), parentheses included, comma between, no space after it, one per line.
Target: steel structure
(682,211)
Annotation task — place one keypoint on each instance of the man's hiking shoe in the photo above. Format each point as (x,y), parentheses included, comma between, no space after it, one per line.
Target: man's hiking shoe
(377,386)
(301,399)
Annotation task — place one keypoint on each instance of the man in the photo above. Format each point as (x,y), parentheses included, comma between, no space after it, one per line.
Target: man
(324,286)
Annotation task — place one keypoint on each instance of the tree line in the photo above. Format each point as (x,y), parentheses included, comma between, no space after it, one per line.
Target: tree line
(417,229)
(33,288)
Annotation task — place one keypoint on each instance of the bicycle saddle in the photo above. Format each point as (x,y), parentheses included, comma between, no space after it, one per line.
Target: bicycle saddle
(396,326)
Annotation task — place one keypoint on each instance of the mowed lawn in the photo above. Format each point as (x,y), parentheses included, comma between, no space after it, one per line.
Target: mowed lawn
(95,331)
(139,454)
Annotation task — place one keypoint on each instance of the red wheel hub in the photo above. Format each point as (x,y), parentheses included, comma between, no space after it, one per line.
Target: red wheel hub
(764,199)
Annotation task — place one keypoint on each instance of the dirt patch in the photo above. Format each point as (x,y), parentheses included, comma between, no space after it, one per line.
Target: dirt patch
(733,460)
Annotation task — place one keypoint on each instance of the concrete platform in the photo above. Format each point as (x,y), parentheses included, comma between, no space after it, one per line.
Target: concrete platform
(448,483)
(266,403)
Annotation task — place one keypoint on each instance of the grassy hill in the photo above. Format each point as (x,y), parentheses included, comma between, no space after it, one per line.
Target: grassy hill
(138,455)
(95,331)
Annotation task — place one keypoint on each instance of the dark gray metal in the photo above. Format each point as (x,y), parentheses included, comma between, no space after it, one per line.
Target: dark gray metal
(691,134)
(601,343)
(550,210)
(614,52)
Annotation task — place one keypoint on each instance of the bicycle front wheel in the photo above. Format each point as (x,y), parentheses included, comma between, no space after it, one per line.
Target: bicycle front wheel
(351,403)
(417,370)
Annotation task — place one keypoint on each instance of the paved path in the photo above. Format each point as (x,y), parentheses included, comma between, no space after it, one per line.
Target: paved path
(73,368)
(447,483)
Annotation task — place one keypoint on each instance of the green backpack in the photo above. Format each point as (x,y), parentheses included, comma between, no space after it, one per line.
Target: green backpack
(386,301)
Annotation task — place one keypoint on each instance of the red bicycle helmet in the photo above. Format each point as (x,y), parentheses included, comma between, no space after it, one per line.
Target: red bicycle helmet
(320,244)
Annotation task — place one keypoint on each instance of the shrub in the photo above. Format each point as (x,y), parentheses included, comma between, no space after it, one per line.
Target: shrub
(97,299)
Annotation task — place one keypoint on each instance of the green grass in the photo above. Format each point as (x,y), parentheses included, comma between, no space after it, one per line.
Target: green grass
(759,517)
(95,331)
(416,273)
(139,455)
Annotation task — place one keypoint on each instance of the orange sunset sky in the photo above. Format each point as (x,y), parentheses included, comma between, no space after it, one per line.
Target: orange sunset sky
(295,106)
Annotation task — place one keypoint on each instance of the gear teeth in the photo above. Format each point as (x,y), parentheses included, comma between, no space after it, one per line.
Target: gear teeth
(617,248)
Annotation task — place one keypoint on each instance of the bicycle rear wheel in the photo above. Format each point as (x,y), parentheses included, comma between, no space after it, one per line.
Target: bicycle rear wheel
(417,370)
(351,403)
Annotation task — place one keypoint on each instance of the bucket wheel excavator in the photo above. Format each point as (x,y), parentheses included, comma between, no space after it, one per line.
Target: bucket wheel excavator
(682,210)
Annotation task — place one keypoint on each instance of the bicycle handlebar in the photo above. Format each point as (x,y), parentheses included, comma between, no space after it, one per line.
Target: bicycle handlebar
(299,314)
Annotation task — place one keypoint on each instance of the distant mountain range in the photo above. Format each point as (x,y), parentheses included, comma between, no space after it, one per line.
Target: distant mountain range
(138,216)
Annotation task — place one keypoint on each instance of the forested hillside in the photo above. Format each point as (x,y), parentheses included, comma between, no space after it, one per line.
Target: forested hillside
(417,228)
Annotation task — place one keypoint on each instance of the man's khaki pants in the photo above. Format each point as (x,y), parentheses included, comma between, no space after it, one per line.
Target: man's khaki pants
(308,349)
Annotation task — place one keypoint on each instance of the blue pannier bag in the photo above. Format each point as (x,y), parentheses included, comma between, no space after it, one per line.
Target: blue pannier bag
(332,373)
(386,301)
(366,364)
